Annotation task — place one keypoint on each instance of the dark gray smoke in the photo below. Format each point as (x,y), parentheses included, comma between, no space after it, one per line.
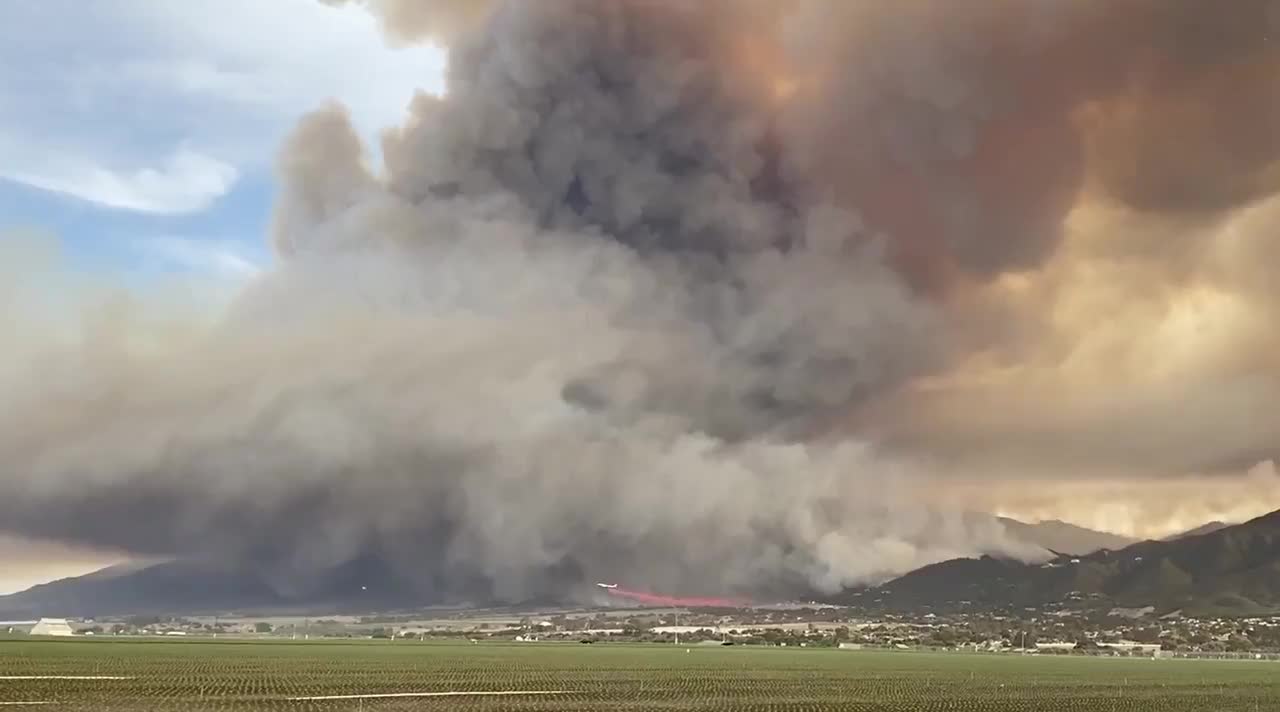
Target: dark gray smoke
(616,303)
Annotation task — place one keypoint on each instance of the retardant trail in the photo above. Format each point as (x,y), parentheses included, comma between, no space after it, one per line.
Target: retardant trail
(653,599)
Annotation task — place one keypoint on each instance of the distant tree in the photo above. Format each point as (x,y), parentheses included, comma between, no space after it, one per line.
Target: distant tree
(261,627)
(943,637)
(1150,634)
(1239,644)
(1268,637)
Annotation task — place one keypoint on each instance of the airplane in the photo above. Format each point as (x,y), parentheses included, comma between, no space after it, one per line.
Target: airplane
(607,585)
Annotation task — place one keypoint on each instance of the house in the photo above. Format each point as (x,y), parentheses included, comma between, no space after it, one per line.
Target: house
(1129,647)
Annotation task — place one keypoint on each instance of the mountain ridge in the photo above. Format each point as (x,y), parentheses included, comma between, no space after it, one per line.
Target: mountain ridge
(1084,560)
(1206,528)
(1233,569)
(1062,537)
(191,586)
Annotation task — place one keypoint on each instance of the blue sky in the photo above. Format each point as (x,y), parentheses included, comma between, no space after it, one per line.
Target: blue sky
(142,132)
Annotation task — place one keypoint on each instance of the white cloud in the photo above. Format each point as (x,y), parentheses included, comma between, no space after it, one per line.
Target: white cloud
(97,95)
(187,181)
(287,57)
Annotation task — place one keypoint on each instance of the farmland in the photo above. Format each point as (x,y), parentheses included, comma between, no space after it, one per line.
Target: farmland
(241,675)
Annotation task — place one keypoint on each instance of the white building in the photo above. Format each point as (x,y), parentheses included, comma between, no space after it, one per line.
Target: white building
(1131,648)
(52,626)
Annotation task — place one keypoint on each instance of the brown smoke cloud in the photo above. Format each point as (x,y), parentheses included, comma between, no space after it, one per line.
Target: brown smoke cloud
(1133,507)
(718,295)
(968,132)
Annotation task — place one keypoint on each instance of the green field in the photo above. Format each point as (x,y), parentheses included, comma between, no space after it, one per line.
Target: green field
(225,675)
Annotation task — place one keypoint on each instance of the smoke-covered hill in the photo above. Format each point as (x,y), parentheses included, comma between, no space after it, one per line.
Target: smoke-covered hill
(1235,569)
(1063,537)
(189,587)
(1206,528)
(1227,568)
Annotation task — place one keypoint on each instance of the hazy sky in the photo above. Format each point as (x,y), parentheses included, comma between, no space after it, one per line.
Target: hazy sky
(142,133)
(27,563)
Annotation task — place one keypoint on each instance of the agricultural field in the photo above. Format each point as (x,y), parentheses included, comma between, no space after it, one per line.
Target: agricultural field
(131,675)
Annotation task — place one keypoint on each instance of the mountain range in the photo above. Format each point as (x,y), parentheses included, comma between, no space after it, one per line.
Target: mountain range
(1234,568)
(1208,528)
(1063,538)
(184,586)
(1227,570)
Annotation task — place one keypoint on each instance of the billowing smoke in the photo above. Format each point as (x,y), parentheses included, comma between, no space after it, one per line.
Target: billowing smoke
(692,293)
(409,20)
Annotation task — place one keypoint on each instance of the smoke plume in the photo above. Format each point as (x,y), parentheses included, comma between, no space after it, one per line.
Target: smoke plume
(410,20)
(717,296)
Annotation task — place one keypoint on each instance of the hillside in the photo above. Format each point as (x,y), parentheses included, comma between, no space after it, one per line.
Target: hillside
(1063,538)
(193,587)
(1208,528)
(1235,569)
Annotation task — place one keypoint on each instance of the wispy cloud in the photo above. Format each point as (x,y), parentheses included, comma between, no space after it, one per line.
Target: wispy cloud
(187,180)
(159,107)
